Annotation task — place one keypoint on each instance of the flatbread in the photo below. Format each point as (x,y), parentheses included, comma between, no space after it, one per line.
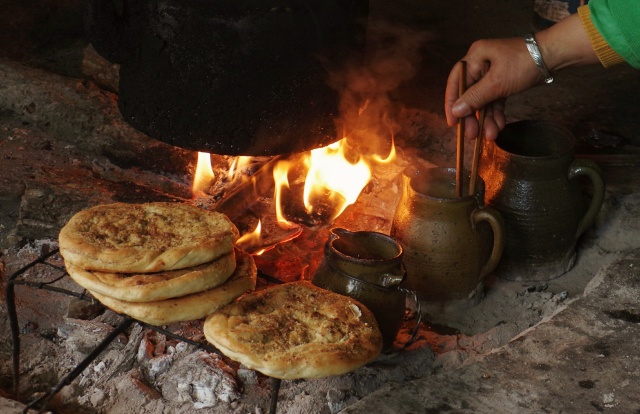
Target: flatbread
(145,238)
(148,287)
(190,307)
(296,330)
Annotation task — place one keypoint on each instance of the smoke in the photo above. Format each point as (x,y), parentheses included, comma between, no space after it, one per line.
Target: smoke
(392,55)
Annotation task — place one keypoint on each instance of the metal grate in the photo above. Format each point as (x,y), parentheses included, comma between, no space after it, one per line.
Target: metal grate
(20,278)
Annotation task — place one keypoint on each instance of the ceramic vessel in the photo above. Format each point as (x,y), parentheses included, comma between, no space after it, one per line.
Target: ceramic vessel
(532,178)
(451,243)
(233,77)
(366,266)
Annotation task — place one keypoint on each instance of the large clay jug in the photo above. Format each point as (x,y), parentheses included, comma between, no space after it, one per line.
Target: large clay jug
(451,243)
(532,178)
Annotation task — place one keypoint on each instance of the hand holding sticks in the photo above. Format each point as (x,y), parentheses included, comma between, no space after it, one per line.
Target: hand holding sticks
(460,141)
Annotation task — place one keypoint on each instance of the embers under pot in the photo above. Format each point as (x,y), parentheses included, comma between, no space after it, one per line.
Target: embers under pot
(228,76)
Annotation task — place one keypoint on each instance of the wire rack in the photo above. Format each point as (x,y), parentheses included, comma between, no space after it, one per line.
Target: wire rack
(20,277)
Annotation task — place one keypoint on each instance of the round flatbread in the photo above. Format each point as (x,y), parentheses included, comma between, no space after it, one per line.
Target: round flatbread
(190,307)
(296,330)
(145,238)
(147,287)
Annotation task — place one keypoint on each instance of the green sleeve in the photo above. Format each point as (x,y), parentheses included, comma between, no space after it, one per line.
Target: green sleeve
(618,21)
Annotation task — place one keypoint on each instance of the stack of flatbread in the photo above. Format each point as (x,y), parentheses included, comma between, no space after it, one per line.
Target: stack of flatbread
(159,263)
(296,330)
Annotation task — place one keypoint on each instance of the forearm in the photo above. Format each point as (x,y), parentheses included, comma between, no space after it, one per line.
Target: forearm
(566,44)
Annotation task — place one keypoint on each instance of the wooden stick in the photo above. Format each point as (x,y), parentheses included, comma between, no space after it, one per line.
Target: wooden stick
(476,152)
(460,139)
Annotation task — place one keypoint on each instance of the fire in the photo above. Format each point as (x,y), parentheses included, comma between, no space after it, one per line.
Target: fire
(236,166)
(332,176)
(251,242)
(281,178)
(390,157)
(334,180)
(204,173)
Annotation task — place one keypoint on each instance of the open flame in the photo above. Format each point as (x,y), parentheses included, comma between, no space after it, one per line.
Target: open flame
(251,242)
(281,178)
(333,177)
(390,157)
(236,166)
(334,180)
(204,173)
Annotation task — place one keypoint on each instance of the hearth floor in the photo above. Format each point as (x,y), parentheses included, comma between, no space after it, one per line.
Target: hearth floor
(582,359)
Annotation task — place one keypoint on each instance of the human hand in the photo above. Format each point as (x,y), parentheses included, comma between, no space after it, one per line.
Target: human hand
(496,69)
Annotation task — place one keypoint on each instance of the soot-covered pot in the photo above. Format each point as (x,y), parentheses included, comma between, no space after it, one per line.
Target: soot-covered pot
(228,76)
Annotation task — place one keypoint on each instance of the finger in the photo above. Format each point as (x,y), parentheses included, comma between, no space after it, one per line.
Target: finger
(492,121)
(476,69)
(489,122)
(498,113)
(470,127)
(490,128)
(452,94)
(477,95)
(461,108)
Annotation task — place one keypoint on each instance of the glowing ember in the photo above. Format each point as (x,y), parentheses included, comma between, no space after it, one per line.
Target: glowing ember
(333,177)
(204,173)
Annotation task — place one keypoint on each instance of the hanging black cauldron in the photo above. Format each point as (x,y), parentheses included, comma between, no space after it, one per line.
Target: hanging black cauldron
(235,77)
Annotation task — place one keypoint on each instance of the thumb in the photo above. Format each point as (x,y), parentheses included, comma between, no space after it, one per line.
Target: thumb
(475,97)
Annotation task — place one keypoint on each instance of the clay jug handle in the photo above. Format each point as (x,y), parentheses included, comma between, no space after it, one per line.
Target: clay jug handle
(412,297)
(592,171)
(493,217)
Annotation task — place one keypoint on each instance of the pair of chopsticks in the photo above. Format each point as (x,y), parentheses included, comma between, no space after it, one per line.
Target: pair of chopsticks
(462,87)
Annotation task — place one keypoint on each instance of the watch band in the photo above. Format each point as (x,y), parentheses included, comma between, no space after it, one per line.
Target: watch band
(534,51)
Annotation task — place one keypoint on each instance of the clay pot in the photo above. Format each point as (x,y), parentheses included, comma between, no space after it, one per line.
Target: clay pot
(532,178)
(366,266)
(451,243)
(235,77)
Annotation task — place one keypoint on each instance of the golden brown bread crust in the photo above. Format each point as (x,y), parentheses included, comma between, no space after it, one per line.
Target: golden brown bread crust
(145,238)
(147,287)
(296,330)
(190,307)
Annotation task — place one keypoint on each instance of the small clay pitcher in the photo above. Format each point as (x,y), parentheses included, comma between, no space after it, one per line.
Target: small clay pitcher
(366,266)
(532,179)
(451,243)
